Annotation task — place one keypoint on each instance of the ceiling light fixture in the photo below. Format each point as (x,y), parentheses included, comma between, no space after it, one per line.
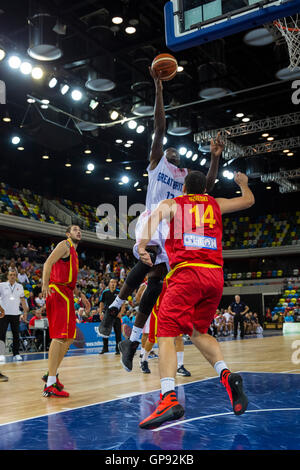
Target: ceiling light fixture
(68,165)
(132,124)
(194,157)
(15,140)
(246,119)
(290,154)
(37,73)
(91,167)
(108,160)
(265,134)
(114,115)
(53,82)
(182,150)
(20,148)
(2,54)
(26,68)
(64,89)
(14,62)
(189,154)
(240,115)
(45,157)
(136,184)
(140,129)
(107,178)
(130,29)
(76,95)
(203,161)
(117,20)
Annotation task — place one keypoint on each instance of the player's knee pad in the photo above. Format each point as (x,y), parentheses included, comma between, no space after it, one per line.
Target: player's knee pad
(150,295)
(140,271)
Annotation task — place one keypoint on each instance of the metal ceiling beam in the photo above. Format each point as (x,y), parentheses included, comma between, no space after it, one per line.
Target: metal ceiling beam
(275,122)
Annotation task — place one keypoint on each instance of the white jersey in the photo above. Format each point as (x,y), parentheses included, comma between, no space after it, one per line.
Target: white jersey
(164,182)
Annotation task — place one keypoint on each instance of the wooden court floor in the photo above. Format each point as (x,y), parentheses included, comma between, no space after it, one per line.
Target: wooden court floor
(94,378)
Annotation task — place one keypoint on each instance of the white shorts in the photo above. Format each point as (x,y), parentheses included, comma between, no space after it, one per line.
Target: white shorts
(147,326)
(158,238)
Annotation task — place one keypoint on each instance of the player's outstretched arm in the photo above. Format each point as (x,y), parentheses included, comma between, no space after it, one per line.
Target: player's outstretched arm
(238,203)
(165,210)
(62,250)
(216,149)
(157,151)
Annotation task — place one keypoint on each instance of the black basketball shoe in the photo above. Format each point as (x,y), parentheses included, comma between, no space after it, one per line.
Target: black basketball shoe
(106,324)
(127,349)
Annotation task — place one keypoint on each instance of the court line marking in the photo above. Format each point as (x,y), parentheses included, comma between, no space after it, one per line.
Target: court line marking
(178,423)
(115,399)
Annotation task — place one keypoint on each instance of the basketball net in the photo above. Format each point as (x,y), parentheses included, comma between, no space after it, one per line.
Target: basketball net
(290,29)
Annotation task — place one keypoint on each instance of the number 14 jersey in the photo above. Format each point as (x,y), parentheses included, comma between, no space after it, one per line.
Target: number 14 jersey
(195,234)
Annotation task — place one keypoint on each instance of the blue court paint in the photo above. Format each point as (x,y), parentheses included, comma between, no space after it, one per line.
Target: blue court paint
(272,421)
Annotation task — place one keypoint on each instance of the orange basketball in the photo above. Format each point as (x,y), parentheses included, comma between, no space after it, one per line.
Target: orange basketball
(166,65)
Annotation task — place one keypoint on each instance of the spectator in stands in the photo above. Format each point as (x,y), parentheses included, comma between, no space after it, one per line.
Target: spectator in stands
(31,301)
(238,310)
(26,263)
(289,317)
(268,315)
(39,300)
(229,322)
(38,333)
(22,276)
(248,327)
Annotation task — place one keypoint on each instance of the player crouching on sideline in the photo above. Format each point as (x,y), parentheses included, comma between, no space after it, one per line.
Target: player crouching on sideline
(194,248)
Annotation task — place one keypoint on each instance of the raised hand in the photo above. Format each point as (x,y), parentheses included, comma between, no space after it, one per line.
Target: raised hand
(217,146)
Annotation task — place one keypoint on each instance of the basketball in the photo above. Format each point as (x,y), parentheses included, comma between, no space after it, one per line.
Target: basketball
(166,65)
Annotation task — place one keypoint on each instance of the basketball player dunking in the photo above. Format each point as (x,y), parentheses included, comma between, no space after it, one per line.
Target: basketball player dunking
(59,282)
(193,288)
(165,182)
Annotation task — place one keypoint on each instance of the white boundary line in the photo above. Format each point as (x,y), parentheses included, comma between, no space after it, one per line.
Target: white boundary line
(130,394)
(178,423)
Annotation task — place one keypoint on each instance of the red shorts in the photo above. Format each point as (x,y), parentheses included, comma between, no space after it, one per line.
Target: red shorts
(61,312)
(189,299)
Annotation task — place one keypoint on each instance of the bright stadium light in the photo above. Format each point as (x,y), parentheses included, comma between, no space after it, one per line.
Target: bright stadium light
(203,161)
(76,95)
(37,73)
(64,89)
(182,150)
(189,154)
(125,179)
(90,166)
(15,140)
(140,129)
(26,68)
(132,124)
(53,82)
(194,157)
(14,62)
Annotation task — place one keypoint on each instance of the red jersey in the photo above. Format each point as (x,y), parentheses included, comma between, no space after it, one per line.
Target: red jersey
(65,271)
(195,231)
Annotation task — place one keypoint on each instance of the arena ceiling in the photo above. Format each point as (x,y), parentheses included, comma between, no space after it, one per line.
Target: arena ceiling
(94,48)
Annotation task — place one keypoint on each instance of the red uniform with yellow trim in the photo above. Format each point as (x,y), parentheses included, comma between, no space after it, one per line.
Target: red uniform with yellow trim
(192,290)
(60,304)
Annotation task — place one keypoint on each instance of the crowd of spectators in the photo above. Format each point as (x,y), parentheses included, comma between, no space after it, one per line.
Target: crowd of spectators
(223,324)
(27,260)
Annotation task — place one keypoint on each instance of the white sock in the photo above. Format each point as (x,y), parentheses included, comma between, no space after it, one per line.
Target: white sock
(167,384)
(117,303)
(51,380)
(145,356)
(180,356)
(219,366)
(142,351)
(136,334)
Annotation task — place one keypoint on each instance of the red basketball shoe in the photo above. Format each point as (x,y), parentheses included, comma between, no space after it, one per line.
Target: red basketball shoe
(60,386)
(53,391)
(234,386)
(168,409)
